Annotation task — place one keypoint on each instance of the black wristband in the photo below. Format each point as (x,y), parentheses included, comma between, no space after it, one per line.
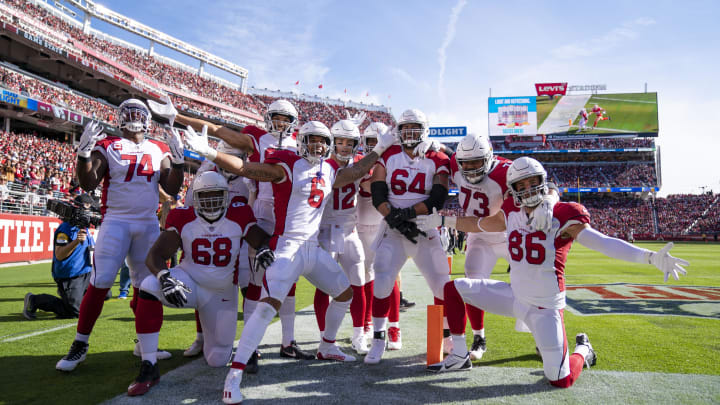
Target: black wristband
(83,159)
(177,165)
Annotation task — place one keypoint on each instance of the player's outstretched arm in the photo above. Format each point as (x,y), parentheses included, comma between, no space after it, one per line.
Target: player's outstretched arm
(348,175)
(163,249)
(619,249)
(91,171)
(495,223)
(257,237)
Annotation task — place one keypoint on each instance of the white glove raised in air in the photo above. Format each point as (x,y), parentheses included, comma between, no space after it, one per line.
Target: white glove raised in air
(166,110)
(174,141)
(357,119)
(385,141)
(92,133)
(434,220)
(199,143)
(668,264)
(427,146)
(542,216)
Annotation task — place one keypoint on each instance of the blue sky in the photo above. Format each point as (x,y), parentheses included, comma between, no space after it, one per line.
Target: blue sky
(444,56)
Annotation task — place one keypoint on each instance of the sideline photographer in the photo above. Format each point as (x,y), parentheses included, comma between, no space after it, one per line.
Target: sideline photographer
(72,260)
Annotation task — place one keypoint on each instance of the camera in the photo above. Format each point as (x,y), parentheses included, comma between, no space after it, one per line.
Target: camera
(75,213)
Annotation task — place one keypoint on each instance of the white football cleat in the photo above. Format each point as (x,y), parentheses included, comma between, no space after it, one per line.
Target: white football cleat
(161,354)
(78,352)
(195,348)
(447,345)
(394,338)
(453,362)
(331,351)
(478,348)
(359,344)
(376,351)
(231,392)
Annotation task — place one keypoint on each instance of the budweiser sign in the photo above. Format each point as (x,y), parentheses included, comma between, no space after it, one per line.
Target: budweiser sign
(551,89)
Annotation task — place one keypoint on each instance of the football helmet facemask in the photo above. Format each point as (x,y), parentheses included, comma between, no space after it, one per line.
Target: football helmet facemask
(134,116)
(411,137)
(348,130)
(210,195)
(279,128)
(478,149)
(524,168)
(317,151)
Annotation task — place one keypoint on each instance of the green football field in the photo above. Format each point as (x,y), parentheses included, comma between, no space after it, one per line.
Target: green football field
(639,343)
(630,112)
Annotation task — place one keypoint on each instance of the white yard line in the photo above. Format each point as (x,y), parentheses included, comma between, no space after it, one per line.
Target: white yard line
(625,101)
(40,332)
(566,109)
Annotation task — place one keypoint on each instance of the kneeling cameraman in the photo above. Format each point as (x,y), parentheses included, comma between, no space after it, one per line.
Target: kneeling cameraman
(71,266)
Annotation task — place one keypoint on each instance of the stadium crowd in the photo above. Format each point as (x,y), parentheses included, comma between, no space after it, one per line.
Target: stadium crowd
(624,175)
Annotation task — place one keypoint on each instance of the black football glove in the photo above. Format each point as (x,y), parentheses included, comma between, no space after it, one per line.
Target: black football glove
(399,215)
(410,231)
(264,257)
(173,289)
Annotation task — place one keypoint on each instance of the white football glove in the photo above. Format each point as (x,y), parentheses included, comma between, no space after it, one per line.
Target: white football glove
(357,119)
(174,141)
(542,216)
(434,220)
(92,133)
(668,264)
(199,143)
(427,146)
(385,141)
(166,110)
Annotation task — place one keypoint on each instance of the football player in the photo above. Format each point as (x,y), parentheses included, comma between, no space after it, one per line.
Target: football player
(600,115)
(338,234)
(301,184)
(404,185)
(582,119)
(211,232)
(536,293)
(130,167)
(281,119)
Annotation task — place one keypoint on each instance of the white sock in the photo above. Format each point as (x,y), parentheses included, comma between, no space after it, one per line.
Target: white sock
(445,324)
(334,317)
(582,349)
(287,320)
(248,309)
(253,332)
(81,337)
(394,325)
(459,345)
(149,346)
(199,337)
(380,324)
(480,333)
(358,331)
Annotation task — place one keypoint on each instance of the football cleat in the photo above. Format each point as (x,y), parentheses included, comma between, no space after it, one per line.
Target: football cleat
(252,366)
(447,345)
(149,376)
(394,338)
(231,392)
(478,348)
(195,348)
(377,349)
(161,354)
(359,344)
(453,362)
(123,295)
(78,352)
(591,357)
(331,351)
(28,307)
(405,304)
(294,352)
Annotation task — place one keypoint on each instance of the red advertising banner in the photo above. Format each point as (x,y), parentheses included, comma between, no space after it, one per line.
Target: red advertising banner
(27,237)
(551,89)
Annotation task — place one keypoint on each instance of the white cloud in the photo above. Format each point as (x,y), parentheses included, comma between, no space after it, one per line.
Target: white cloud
(403,75)
(442,51)
(604,42)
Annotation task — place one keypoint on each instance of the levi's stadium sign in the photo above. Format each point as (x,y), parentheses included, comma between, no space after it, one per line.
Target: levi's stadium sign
(551,89)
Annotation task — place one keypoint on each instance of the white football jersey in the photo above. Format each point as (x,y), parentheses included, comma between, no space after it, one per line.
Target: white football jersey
(486,197)
(265,144)
(301,197)
(211,250)
(343,208)
(366,212)
(130,186)
(237,187)
(537,259)
(410,180)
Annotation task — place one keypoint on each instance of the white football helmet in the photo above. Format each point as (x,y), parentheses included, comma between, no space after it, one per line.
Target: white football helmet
(474,148)
(345,129)
(412,137)
(279,128)
(210,207)
(373,130)
(523,168)
(310,151)
(134,115)
(225,148)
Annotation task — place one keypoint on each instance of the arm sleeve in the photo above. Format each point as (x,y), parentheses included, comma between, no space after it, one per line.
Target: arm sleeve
(379,191)
(612,247)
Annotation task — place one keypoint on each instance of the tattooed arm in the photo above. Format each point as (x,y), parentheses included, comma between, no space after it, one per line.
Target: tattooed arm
(349,174)
(251,170)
